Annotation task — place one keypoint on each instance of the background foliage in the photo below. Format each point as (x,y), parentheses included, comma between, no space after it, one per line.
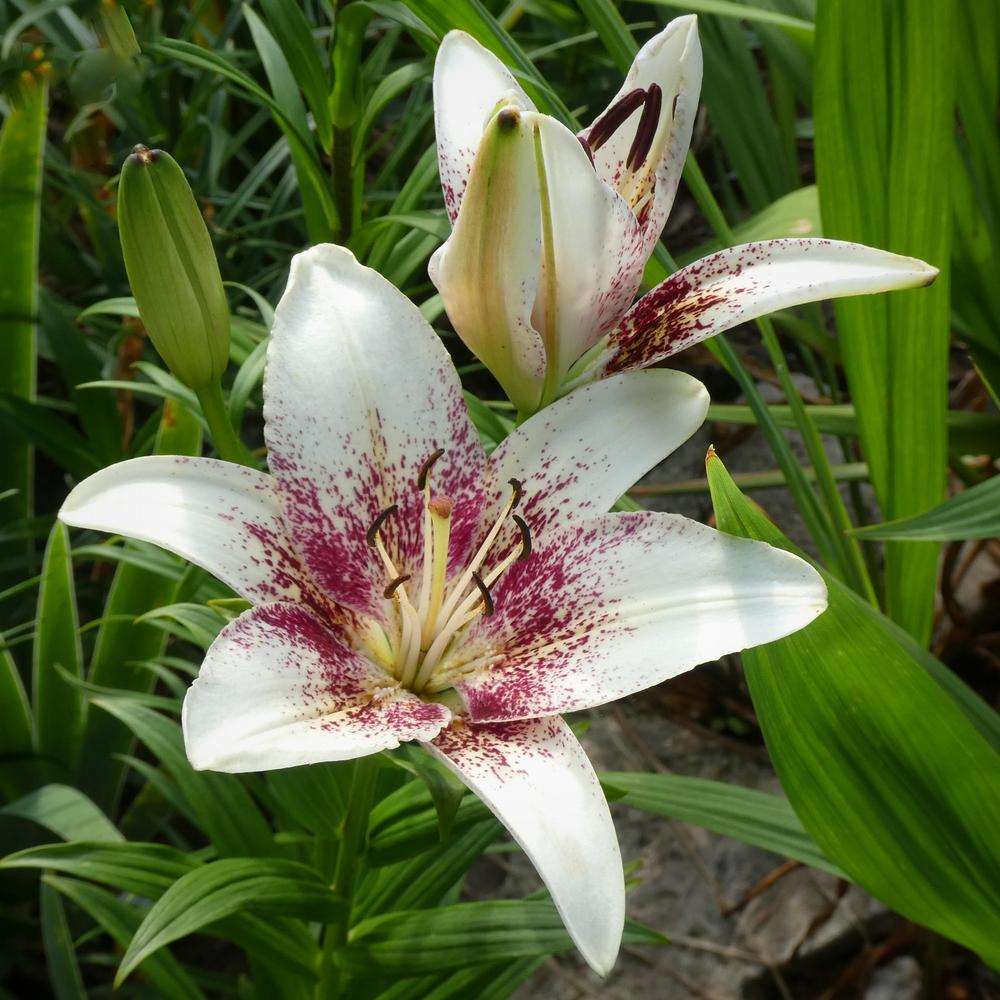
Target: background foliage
(303,122)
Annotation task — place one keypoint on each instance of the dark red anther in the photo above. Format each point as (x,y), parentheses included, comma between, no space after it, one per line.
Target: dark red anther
(673,107)
(425,469)
(646,130)
(515,485)
(488,607)
(612,119)
(395,585)
(587,149)
(372,533)
(525,537)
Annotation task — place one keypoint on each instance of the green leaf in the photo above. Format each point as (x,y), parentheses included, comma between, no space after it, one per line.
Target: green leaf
(451,937)
(60,959)
(294,34)
(886,772)
(16,725)
(884,117)
(120,920)
(797,28)
(22,142)
(145,870)
(757,818)
(222,805)
(225,888)
(59,707)
(974,513)
(66,811)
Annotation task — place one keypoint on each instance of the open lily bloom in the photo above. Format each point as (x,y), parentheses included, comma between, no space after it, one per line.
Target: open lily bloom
(551,230)
(408,588)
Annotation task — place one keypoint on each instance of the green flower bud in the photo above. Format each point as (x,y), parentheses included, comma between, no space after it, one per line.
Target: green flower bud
(172,268)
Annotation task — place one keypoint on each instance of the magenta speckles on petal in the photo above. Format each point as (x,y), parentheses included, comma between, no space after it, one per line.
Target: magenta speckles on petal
(739,284)
(281,687)
(358,393)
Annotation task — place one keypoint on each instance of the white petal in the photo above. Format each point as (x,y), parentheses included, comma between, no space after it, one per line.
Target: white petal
(469,82)
(609,606)
(672,60)
(279,688)
(591,267)
(358,393)
(487,271)
(733,286)
(222,517)
(578,456)
(538,781)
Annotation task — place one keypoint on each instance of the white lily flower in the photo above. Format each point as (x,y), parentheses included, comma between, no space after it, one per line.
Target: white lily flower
(551,230)
(408,588)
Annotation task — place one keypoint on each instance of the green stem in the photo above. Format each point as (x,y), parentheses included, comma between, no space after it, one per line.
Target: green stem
(352,843)
(226,440)
(343,180)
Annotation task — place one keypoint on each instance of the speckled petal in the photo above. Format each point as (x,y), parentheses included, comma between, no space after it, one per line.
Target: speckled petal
(358,393)
(578,456)
(279,688)
(469,82)
(672,60)
(535,776)
(733,286)
(222,517)
(596,266)
(617,603)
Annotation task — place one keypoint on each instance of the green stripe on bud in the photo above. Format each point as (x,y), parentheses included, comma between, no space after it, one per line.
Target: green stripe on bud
(172,267)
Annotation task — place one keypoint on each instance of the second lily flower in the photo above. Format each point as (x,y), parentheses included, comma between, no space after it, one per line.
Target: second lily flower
(552,231)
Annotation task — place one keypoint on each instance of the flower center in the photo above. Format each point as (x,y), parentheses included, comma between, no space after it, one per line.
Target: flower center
(432,611)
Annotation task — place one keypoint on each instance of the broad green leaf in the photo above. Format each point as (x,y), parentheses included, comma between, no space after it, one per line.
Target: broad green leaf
(220,802)
(60,959)
(422,881)
(757,818)
(405,823)
(887,774)
(797,28)
(22,141)
(286,94)
(224,888)
(145,870)
(974,513)
(120,919)
(194,622)
(451,937)
(314,796)
(294,34)
(148,871)
(58,706)
(66,811)
(884,116)
(968,433)
(16,730)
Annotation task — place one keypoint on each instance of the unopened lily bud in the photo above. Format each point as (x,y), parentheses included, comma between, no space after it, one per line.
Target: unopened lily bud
(172,267)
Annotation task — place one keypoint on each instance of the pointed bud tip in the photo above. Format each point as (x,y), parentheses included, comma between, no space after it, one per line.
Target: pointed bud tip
(143,156)
(507,119)
(710,454)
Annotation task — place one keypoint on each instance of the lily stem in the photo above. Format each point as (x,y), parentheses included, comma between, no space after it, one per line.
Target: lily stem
(352,841)
(343,180)
(227,441)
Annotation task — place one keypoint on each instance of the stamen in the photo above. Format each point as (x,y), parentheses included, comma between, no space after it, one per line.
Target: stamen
(518,489)
(612,119)
(395,584)
(439,510)
(587,149)
(371,536)
(525,537)
(646,130)
(488,606)
(426,468)
(455,597)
